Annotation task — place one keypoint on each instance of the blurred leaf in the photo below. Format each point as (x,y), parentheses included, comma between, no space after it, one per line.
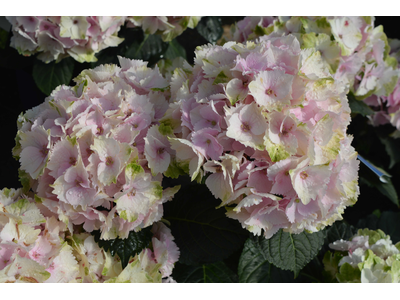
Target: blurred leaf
(207,273)
(150,49)
(387,189)
(48,76)
(392,147)
(389,222)
(359,107)
(126,248)
(203,234)
(175,50)
(254,266)
(370,222)
(292,251)
(3,38)
(210,28)
(106,56)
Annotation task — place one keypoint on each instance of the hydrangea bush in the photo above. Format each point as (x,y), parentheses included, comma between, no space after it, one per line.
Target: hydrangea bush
(265,123)
(173,160)
(369,256)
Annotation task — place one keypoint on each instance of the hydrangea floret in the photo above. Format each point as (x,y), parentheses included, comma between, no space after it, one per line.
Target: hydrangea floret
(86,152)
(368,257)
(55,38)
(264,124)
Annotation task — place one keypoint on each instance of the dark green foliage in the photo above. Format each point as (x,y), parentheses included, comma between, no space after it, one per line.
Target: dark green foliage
(126,248)
(48,76)
(206,273)
(203,234)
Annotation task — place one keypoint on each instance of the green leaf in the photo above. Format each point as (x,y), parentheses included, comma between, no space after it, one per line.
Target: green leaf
(293,251)
(210,28)
(150,49)
(359,107)
(175,50)
(392,147)
(203,233)
(48,76)
(206,273)
(255,267)
(340,230)
(126,248)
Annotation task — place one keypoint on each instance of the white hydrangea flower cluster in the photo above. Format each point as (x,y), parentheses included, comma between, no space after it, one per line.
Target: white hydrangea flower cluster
(373,254)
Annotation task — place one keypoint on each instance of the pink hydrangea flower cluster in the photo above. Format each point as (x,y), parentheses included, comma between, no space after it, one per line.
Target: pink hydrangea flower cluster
(265,123)
(352,48)
(55,38)
(36,247)
(168,27)
(85,152)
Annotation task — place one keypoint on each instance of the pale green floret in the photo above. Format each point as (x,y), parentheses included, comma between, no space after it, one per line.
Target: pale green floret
(331,150)
(368,19)
(83,57)
(348,274)
(389,86)
(160,89)
(323,23)
(165,129)
(133,169)
(26,180)
(374,235)
(175,169)
(169,122)
(72,140)
(221,78)
(260,31)
(157,190)
(6,192)
(276,152)
(38,199)
(351,190)
(391,62)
